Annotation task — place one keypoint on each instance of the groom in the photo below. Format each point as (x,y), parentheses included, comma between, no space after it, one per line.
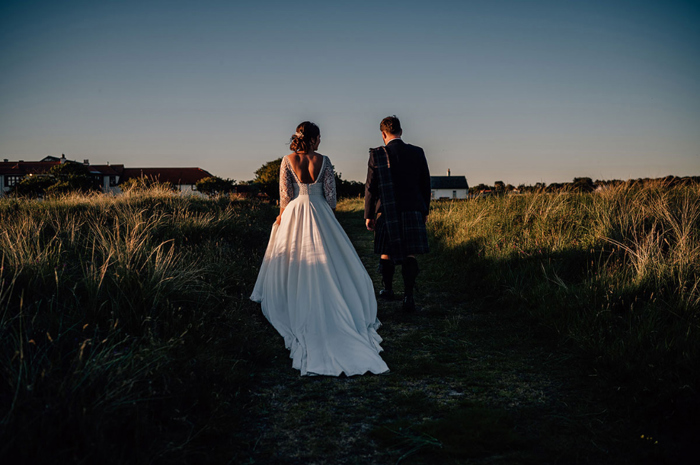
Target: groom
(397,201)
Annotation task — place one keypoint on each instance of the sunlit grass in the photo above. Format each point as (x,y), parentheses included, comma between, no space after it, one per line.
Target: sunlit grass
(127,336)
(616,271)
(110,307)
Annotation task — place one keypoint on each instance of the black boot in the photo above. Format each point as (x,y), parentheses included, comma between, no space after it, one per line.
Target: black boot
(386,268)
(409,270)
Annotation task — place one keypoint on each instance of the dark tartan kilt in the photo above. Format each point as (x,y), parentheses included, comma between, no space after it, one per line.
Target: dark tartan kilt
(414,238)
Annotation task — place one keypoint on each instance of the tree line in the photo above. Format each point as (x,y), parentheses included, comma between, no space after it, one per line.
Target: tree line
(580,185)
(75,177)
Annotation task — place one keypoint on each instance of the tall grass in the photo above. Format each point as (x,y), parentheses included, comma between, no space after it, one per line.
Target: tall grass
(125,327)
(616,272)
(127,336)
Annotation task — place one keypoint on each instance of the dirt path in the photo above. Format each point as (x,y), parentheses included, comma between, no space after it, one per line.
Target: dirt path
(467,385)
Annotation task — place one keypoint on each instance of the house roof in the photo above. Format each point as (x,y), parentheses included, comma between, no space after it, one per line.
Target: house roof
(172,175)
(39,167)
(448,182)
(107,170)
(26,167)
(175,176)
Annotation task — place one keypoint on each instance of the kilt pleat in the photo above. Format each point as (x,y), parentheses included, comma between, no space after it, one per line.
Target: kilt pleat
(414,238)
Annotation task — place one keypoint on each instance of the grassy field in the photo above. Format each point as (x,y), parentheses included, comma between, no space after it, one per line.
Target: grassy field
(614,277)
(126,333)
(616,273)
(553,329)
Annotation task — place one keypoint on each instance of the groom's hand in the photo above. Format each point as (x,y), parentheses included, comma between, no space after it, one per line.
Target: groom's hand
(370,224)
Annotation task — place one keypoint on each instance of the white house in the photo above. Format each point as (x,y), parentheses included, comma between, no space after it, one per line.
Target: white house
(448,187)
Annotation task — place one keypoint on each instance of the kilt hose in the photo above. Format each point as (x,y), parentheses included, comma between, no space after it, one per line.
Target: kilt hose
(414,236)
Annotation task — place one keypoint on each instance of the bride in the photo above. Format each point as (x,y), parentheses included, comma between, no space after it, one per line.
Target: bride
(312,285)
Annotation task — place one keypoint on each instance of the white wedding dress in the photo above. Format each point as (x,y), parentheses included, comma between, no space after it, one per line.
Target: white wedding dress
(313,287)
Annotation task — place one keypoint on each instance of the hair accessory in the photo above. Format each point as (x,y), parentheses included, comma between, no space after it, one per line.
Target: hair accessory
(298,135)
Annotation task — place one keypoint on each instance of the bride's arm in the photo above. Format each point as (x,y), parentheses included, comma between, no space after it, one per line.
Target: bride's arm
(329,185)
(286,187)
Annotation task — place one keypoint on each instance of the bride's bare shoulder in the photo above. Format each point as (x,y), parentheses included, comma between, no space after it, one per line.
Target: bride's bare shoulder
(322,157)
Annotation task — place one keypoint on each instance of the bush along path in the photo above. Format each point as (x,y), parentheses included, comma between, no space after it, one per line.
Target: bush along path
(471,381)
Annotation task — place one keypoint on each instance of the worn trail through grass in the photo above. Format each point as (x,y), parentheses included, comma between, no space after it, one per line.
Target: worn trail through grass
(469,383)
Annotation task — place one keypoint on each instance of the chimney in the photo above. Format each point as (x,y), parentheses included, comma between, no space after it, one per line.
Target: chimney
(448,171)
(6,160)
(63,158)
(86,161)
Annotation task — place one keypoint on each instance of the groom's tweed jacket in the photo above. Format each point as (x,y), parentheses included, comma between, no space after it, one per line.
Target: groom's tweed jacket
(411,179)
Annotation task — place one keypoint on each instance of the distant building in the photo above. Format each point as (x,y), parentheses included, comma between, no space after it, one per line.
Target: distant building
(12,172)
(108,177)
(449,187)
(185,179)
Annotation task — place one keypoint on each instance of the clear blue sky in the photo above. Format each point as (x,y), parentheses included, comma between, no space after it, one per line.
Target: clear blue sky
(519,91)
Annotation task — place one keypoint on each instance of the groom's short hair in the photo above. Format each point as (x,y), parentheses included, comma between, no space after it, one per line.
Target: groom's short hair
(391,125)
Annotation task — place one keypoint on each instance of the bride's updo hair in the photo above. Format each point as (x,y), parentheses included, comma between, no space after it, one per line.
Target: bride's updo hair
(302,139)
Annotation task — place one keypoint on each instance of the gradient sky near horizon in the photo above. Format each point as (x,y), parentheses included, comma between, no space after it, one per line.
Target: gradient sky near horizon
(518,91)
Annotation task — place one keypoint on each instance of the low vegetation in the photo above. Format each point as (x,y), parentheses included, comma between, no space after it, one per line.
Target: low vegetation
(125,329)
(617,273)
(127,336)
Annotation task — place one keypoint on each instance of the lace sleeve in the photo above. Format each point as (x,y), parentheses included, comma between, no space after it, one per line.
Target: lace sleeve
(286,183)
(329,184)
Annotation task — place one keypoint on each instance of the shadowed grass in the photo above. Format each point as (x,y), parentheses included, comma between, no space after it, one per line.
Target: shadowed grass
(552,329)
(125,327)
(460,432)
(611,280)
(614,274)
(618,272)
